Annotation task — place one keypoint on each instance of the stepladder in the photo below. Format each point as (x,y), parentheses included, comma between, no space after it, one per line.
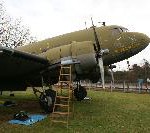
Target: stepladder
(63,105)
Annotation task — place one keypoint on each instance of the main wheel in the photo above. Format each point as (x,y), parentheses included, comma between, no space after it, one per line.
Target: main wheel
(47,100)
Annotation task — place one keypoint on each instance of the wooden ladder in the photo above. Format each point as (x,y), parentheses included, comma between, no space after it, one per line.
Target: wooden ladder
(63,105)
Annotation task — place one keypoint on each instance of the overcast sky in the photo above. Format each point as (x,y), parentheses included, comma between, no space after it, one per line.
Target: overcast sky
(48,18)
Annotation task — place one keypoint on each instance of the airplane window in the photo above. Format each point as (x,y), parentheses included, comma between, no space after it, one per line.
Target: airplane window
(124,29)
(116,31)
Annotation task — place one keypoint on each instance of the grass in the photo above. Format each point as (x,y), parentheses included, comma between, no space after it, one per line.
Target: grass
(106,112)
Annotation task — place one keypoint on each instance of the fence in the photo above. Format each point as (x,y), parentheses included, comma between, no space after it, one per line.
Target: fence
(125,86)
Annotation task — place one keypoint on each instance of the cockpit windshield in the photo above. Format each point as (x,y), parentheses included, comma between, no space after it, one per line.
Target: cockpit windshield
(115,31)
(124,29)
(118,30)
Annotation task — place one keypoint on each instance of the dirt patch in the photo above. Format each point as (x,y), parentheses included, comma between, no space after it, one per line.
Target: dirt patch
(31,107)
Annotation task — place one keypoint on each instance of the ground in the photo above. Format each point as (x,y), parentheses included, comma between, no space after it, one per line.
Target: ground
(30,106)
(105,112)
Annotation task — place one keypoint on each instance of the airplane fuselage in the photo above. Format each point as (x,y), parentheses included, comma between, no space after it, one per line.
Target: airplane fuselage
(79,45)
(121,43)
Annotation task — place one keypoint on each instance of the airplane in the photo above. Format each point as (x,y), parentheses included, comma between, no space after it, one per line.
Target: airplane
(37,63)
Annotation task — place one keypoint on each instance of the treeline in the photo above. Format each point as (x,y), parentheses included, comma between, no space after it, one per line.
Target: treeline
(133,74)
(12,33)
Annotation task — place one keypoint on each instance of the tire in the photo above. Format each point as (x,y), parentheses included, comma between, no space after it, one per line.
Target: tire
(47,100)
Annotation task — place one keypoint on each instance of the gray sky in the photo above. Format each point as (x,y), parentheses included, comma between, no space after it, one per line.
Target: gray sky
(48,18)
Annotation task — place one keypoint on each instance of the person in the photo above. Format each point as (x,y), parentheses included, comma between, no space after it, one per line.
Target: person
(140,84)
(147,84)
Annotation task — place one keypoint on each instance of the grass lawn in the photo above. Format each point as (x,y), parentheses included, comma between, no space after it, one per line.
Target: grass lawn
(106,112)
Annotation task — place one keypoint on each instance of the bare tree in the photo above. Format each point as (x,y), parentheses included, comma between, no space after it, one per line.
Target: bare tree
(12,33)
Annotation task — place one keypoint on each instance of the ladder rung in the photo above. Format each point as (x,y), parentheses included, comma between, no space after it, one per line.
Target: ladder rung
(59,121)
(65,81)
(61,113)
(65,74)
(66,67)
(62,105)
(62,97)
(65,88)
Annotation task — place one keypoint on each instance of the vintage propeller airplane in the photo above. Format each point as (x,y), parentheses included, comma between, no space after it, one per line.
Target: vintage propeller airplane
(33,64)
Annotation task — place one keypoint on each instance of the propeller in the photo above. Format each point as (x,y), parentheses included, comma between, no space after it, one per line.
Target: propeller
(111,67)
(99,54)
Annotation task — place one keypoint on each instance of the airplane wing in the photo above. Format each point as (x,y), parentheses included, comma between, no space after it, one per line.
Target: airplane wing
(17,68)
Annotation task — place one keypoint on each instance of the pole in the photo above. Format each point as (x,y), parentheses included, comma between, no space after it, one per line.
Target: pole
(124,82)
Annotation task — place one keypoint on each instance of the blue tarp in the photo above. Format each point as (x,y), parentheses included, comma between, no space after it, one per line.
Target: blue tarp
(32,119)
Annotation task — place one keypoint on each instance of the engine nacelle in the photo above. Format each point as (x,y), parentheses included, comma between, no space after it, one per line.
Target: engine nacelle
(82,52)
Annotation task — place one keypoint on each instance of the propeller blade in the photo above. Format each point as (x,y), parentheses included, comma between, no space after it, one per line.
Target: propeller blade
(98,47)
(94,47)
(99,53)
(112,75)
(101,66)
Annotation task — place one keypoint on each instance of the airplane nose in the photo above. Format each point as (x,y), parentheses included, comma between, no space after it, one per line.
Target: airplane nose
(142,39)
(139,42)
(132,43)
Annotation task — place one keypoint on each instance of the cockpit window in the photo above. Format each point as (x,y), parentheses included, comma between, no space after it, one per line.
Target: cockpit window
(115,31)
(118,30)
(124,29)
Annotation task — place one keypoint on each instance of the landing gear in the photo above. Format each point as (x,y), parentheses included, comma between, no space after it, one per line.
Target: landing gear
(80,92)
(47,99)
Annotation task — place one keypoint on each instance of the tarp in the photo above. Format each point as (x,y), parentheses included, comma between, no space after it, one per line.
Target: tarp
(32,119)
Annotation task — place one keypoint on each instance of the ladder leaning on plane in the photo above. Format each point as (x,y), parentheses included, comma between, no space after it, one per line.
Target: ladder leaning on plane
(63,105)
